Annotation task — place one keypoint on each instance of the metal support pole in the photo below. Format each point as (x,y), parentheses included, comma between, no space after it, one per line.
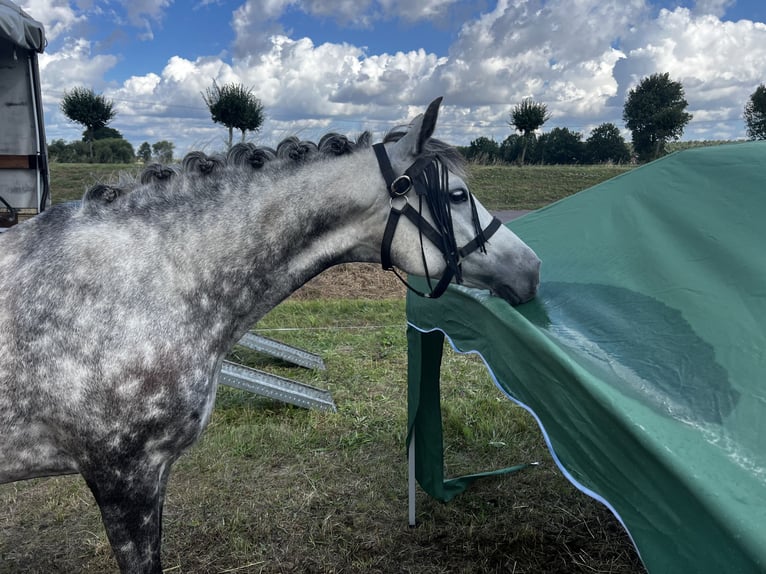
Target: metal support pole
(411,480)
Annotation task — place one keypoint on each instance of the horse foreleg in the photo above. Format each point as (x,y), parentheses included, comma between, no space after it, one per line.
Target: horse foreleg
(130,499)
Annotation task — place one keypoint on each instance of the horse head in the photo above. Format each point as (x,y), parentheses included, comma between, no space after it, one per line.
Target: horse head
(446,233)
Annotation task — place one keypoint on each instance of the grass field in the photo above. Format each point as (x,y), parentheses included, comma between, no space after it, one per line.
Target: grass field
(277,489)
(532,187)
(498,187)
(69,181)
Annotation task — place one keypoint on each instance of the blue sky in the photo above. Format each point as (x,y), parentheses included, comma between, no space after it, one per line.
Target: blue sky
(349,65)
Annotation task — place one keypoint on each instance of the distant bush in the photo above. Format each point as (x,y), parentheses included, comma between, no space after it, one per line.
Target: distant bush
(513,146)
(482,150)
(606,145)
(561,146)
(558,146)
(111,150)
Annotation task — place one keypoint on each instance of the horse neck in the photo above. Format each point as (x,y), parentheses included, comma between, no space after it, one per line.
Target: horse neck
(258,239)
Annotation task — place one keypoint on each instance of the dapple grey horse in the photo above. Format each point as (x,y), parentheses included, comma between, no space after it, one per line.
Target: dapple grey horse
(115,315)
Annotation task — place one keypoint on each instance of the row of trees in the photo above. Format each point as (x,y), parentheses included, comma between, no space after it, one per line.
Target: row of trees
(654,112)
(558,146)
(162,152)
(109,150)
(233,105)
(106,150)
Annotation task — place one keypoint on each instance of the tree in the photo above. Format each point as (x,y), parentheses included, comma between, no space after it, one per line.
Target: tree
(755,114)
(514,144)
(163,151)
(606,144)
(60,151)
(527,117)
(85,107)
(144,152)
(482,150)
(113,150)
(561,146)
(654,113)
(106,133)
(234,106)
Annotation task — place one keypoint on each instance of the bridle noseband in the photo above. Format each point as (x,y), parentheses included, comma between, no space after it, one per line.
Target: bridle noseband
(430,179)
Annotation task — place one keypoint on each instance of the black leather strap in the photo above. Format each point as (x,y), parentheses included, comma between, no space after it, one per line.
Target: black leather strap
(397,188)
(388,237)
(476,242)
(386,170)
(12,218)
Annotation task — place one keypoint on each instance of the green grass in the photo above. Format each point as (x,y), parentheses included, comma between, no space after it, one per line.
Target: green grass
(69,181)
(274,488)
(498,187)
(532,187)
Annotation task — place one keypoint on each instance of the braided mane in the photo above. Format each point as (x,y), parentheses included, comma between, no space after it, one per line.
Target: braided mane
(290,154)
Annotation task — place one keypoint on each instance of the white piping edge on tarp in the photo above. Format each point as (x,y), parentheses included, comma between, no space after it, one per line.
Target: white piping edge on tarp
(582,488)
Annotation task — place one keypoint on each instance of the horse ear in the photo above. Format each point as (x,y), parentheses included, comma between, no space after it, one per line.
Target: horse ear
(421,130)
(429,124)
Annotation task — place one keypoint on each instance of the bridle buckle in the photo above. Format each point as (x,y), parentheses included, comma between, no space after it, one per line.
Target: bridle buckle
(400,186)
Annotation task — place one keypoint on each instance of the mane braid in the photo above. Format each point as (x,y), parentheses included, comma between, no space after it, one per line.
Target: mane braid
(248,155)
(242,156)
(198,162)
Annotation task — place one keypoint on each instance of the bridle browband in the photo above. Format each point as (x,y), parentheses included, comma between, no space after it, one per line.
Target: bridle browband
(430,179)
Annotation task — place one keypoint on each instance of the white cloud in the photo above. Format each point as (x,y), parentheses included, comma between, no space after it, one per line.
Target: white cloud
(142,85)
(144,15)
(719,63)
(550,51)
(356,13)
(57,16)
(256,21)
(73,65)
(255,24)
(715,8)
(138,11)
(578,56)
(413,11)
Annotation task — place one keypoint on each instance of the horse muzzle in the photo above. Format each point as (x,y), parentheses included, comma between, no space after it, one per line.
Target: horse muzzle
(523,284)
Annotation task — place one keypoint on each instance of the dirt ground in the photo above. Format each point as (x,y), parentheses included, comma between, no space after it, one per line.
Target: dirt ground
(353,281)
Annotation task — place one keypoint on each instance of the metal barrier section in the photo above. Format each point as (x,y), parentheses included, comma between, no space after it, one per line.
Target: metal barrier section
(274,386)
(281,351)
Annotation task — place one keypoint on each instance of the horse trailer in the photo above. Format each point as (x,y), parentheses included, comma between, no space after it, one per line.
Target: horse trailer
(24,185)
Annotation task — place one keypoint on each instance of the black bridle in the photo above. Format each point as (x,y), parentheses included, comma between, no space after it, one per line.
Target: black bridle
(430,179)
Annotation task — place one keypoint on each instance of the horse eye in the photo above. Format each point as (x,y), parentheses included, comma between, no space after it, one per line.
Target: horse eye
(458,195)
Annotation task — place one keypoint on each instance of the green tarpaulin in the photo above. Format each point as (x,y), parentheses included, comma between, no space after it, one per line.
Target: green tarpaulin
(643,357)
